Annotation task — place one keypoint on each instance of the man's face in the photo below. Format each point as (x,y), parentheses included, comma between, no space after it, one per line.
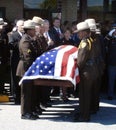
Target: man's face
(80,34)
(57,23)
(46,26)
(20,26)
(40,29)
(37,29)
(31,32)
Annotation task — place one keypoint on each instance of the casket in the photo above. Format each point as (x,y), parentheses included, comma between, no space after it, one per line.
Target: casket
(52,82)
(57,67)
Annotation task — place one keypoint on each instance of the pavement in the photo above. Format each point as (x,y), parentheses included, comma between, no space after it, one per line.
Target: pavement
(59,116)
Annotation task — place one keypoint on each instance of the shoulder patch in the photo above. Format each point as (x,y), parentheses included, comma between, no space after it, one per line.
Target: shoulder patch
(28,51)
(83,44)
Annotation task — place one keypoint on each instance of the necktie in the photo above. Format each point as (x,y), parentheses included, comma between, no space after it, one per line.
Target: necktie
(58,32)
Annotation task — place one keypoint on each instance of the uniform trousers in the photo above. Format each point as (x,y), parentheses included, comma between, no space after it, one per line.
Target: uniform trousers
(27,98)
(96,89)
(41,95)
(85,94)
(95,95)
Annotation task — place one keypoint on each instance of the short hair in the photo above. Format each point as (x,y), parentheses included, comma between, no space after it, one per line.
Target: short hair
(55,18)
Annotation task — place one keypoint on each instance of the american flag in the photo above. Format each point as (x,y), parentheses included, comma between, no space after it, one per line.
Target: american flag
(59,63)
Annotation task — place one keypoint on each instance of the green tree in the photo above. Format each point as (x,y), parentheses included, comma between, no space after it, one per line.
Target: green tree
(49,4)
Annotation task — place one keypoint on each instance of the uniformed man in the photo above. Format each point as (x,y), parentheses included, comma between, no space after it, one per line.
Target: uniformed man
(42,92)
(3,55)
(41,41)
(28,54)
(99,59)
(87,69)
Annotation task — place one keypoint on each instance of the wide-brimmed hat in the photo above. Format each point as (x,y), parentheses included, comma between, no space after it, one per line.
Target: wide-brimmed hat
(2,22)
(92,24)
(81,26)
(29,24)
(38,20)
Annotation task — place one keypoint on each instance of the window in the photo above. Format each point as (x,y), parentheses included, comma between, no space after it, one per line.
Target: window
(2,12)
(95,8)
(40,4)
(102,9)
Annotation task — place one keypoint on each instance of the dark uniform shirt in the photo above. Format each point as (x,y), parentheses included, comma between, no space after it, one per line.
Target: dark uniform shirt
(86,60)
(28,54)
(42,44)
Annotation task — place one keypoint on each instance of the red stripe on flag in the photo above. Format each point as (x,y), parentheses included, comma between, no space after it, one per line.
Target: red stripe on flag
(73,69)
(65,60)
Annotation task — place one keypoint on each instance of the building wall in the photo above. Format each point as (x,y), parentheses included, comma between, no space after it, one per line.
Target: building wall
(14,9)
(69,10)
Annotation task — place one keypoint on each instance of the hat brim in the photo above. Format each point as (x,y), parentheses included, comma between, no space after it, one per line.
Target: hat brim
(31,27)
(38,24)
(76,31)
(4,24)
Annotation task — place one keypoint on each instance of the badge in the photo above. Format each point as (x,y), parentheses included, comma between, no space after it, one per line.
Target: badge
(83,44)
(28,50)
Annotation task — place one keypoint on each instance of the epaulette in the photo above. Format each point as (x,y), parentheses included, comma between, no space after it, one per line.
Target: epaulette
(90,41)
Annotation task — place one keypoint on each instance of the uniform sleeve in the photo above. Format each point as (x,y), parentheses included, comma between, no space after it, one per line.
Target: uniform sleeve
(27,50)
(83,54)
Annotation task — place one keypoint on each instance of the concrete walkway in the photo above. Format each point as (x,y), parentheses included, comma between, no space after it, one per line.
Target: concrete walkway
(59,117)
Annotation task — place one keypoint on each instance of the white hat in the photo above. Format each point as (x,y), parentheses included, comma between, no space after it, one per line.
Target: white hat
(2,22)
(29,24)
(38,20)
(111,32)
(82,26)
(92,24)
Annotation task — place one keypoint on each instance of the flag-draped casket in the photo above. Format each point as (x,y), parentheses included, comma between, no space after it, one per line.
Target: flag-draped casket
(57,66)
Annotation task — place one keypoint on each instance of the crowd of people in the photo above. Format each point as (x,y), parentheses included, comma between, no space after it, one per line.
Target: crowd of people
(30,38)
